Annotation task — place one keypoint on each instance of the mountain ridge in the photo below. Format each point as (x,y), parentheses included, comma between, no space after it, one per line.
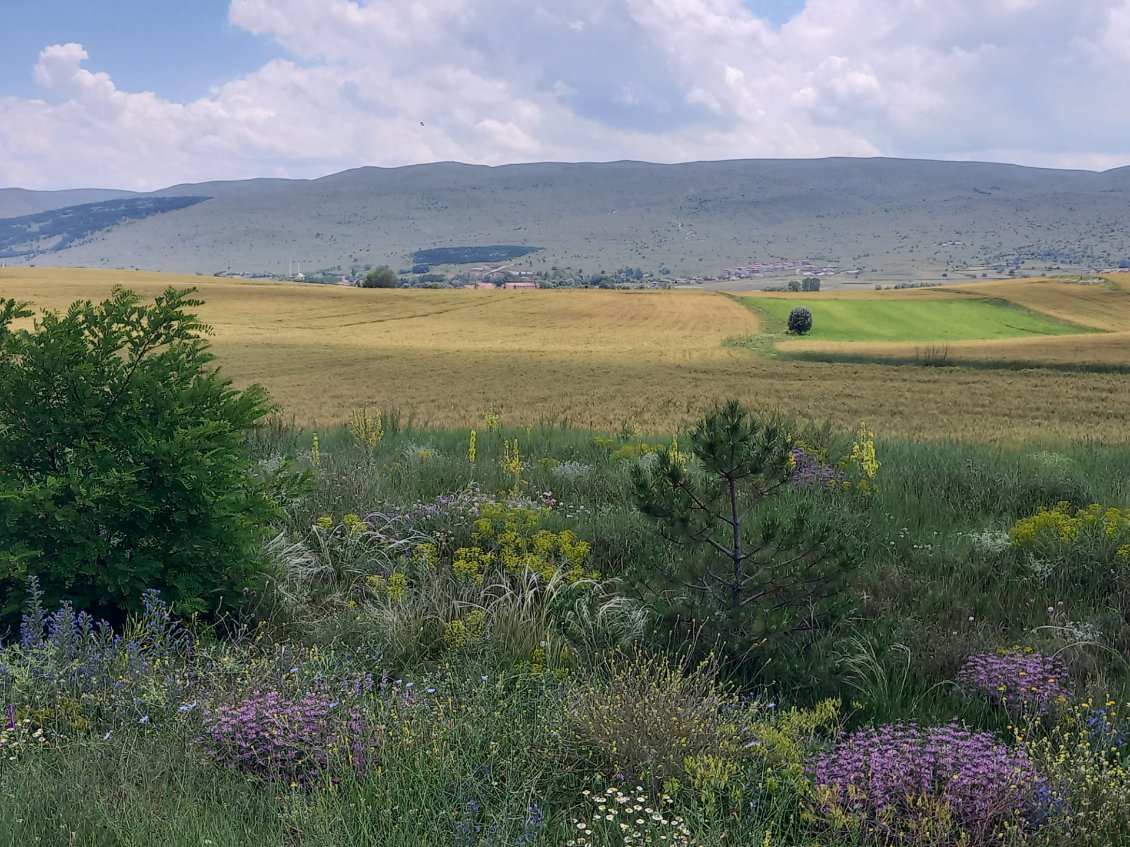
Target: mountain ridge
(889,218)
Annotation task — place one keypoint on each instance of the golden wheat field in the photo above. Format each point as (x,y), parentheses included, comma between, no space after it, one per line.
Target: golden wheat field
(594,359)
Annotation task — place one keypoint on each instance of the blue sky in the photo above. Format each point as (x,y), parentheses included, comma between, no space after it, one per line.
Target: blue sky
(177,48)
(147,93)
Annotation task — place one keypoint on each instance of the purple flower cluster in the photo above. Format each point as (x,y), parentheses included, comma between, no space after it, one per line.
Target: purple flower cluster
(810,472)
(296,741)
(459,508)
(1020,679)
(905,784)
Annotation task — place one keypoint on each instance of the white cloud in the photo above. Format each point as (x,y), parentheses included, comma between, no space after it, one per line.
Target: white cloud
(388,83)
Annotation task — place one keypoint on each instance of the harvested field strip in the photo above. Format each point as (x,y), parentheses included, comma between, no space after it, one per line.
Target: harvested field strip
(1094,351)
(1101,305)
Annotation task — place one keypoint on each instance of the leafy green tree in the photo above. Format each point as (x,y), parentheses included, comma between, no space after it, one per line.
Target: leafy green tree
(810,283)
(380,277)
(123,462)
(800,320)
(757,577)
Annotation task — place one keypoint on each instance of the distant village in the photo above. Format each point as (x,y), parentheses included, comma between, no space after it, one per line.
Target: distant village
(507,276)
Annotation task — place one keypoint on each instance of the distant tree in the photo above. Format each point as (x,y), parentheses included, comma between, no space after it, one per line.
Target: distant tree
(794,285)
(800,320)
(380,277)
(810,283)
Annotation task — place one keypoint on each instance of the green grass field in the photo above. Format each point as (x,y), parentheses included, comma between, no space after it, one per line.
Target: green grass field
(913,320)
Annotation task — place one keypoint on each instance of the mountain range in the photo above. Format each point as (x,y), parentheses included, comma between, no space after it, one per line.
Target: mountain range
(883,219)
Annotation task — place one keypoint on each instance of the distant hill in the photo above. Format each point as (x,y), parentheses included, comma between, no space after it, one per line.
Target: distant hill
(43,233)
(892,219)
(15,202)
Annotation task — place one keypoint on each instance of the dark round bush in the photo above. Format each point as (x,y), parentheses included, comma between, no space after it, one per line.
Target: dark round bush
(800,320)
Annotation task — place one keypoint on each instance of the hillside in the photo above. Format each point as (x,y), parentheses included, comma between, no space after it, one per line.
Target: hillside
(894,219)
(17,202)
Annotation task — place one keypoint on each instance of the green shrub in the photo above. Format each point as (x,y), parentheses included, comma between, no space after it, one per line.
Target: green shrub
(382,277)
(756,578)
(123,462)
(800,320)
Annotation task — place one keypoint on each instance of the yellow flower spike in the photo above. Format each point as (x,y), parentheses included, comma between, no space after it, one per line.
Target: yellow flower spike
(366,427)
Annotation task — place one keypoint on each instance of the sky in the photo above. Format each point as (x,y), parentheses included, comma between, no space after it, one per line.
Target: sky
(142,94)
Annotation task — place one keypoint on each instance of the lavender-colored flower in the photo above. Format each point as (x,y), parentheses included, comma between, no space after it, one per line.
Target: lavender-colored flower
(296,741)
(1020,679)
(905,784)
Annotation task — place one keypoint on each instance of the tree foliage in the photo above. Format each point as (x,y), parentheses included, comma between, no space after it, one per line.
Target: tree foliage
(122,458)
(800,320)
(380,277)
(758,576)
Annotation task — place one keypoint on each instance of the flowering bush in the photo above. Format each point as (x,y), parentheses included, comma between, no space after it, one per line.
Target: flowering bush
(507,539)
(854,472)
(1090,542)
(296,741)
(905,784)
(1018,677)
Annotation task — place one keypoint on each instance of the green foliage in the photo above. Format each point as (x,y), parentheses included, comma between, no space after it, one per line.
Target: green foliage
(800,320)
(380,277)
(760,573)
(123,463)
(810,283)
(472,255)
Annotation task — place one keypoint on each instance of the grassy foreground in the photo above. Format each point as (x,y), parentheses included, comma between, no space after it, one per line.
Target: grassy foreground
(387,696)
(603,360)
